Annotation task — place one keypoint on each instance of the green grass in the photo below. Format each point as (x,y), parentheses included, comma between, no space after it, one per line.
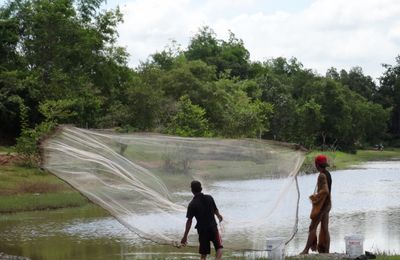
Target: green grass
(36,201)
(341,160)
(6,149)
(15,179)
(385,257)
(25,188)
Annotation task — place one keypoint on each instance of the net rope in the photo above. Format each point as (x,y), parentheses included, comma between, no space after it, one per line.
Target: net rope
(143,180)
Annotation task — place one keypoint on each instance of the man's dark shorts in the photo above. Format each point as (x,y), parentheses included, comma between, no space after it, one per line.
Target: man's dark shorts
(206,236)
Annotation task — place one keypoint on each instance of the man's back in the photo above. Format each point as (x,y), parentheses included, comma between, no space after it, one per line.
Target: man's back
(202,207)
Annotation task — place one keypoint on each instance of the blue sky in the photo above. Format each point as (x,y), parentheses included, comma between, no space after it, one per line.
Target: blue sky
(319,33)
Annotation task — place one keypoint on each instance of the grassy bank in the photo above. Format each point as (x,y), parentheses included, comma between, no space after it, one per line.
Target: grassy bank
(24,188)
(340,160)
(6,149)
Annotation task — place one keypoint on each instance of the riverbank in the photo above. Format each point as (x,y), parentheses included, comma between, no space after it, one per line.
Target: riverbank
(25,188)
(340,160)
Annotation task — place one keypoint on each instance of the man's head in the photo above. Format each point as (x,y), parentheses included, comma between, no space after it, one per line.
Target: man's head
(196,187)
(321,161)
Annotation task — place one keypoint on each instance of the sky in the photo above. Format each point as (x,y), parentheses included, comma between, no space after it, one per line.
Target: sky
(319,33)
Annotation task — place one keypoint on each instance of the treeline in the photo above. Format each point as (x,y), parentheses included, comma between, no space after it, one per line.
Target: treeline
(59,64)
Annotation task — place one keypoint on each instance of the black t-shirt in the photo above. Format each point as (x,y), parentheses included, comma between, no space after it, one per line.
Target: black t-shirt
(202,207)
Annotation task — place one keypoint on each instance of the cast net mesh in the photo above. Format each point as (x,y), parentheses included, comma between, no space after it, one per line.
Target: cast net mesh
(143,180)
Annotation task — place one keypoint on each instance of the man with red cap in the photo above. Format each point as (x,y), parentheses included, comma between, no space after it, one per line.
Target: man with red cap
(321,205)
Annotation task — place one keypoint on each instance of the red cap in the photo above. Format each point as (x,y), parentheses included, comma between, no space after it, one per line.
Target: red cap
(321,160)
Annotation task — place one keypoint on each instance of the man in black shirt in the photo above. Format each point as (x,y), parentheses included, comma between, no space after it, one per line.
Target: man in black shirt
(203,208)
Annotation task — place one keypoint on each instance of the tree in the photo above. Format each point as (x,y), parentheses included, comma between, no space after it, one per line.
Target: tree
(359,83)
(145,106)
(279,96)
(189,120)
(389,95)
(227,56)
(337,125)
(189,78)
(233,113)
(369,120)
(309,119)
(349,119)
(167,57)
(12,91)
(332,73)
(234,57)
(60,50)
(12,94)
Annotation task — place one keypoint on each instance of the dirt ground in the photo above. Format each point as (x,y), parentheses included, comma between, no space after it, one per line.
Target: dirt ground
(6,159)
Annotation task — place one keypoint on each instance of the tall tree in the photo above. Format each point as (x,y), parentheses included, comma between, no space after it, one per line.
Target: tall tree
(389,95)
(309,119)
(68,52)
(278,93)
(229,57)
(359,83)
(12,71)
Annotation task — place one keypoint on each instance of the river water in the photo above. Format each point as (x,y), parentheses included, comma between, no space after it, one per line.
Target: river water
(366,201)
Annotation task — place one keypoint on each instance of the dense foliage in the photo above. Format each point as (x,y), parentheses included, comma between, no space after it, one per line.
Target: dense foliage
(59,63)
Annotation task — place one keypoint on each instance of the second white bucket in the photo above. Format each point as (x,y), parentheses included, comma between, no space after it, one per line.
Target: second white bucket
(276,248)
(354,245)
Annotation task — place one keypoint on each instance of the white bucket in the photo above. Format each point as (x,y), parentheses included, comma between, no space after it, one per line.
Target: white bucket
(354,245)
(276,248)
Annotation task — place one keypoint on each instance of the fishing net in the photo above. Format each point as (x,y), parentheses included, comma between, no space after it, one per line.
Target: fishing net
(143,180)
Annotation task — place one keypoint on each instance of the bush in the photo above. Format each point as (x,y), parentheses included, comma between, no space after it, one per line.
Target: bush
(28,143)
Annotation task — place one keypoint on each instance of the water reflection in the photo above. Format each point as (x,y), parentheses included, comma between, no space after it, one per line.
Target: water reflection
(365,201)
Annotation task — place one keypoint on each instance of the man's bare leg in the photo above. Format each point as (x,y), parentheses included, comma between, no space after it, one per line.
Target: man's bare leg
(324,238)
(312,237)
(203,257)
(219,254)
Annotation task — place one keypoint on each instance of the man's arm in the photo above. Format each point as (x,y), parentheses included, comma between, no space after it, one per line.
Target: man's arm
(216,212)
(187,228)
(323,190)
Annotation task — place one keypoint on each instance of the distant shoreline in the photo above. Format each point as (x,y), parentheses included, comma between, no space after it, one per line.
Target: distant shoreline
(340,160)
(24,188)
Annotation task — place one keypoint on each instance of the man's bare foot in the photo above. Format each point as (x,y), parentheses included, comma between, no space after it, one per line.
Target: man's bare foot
(314,248)
(304,252)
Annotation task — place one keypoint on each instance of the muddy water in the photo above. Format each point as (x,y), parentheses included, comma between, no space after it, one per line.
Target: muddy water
(366,201)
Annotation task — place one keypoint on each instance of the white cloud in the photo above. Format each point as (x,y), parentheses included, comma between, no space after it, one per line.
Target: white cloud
(324,33)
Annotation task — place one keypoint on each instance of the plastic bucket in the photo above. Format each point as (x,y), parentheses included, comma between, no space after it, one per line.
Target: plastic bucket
(276,248)
(354,245)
